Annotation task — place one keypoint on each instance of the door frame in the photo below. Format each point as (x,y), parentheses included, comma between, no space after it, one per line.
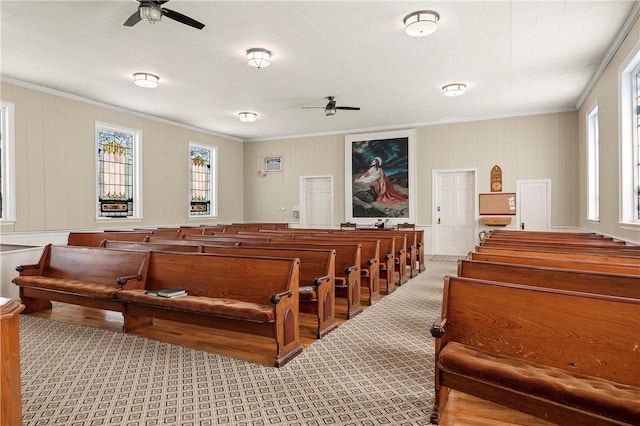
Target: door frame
(519,182)
(303,197)
(435,173)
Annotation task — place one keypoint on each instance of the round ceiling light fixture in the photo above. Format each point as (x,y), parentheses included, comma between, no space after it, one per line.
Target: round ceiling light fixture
(259,58)
(454,89)
(144,79)
(248,117)
(421,23)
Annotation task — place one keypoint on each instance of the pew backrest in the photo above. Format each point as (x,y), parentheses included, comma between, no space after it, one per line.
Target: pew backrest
(564,279)
(247,278)
(583,333)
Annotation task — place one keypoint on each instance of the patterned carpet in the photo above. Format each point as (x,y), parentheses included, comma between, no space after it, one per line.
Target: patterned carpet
(376,369)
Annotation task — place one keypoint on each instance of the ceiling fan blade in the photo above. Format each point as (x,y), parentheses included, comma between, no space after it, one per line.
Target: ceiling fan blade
(182,18)
(133,19)
(312,107)
(349,108)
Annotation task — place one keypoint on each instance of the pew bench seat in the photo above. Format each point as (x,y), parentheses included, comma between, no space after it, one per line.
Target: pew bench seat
(89,289)
(583,392)
(219,307)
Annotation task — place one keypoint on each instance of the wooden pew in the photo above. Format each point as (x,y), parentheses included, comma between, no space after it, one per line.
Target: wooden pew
(369,259)
(317,278)
(86,276)
(347,278)
(388,254)
(524,235)
(190,242)
(402,256)
(134,245)
(93,239)
(568,245)
(564,279)
(317,272)
(555,262)
(561,254)
(567,357)
(255,295)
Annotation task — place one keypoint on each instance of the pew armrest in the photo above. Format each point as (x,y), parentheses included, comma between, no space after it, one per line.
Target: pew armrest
(123,280)
(372,261)
(318,281)
(21,268)
(388,256)
(439,327)
(350,269)
(275,298)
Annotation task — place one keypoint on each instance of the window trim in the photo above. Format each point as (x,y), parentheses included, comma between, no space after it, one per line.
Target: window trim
(593,164)
(137,173)
(7,109)
(628,197)
(213,180)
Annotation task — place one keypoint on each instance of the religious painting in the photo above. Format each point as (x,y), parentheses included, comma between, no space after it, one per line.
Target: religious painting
(379,182)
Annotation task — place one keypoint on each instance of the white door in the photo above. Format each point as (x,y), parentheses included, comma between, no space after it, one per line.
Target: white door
(316,201)
(454,224)
(534,204)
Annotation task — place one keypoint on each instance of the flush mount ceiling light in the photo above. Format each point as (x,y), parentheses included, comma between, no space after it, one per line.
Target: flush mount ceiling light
(421,23)
(144,79)
(259,58)
(248,117)
(150,12)
(455,89)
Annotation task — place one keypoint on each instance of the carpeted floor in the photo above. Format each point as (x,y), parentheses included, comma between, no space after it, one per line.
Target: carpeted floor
(376,369)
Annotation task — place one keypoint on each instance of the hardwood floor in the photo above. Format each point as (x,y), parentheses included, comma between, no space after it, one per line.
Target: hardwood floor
(467,410)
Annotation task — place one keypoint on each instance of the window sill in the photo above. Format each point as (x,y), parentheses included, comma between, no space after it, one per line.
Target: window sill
(629,226)
(119,220)
(593,221)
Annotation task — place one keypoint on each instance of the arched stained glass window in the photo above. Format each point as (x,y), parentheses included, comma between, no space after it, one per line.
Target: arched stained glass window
(201,179)
(116,168)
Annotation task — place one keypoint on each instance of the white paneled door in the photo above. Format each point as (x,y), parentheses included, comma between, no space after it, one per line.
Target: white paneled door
(316,201)
(454,222)
(534,205)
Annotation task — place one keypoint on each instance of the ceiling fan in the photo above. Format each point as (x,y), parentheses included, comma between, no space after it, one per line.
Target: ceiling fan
(152,11)
(331,108)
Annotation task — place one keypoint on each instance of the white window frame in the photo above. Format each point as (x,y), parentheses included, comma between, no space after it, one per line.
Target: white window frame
(213,180)
(7,109)
(629,179)
(137,172)
(593,165)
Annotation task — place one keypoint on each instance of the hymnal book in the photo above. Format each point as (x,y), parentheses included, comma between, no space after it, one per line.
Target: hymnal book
(171,292)
(166,292)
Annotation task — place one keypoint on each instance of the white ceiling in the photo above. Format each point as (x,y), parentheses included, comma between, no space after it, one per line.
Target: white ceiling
(516,57)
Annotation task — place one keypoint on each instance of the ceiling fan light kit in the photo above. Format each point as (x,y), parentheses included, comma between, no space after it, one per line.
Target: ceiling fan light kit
(144,79)
(151,13)
(454,89)
(331,108)
(248,117)
(421,23)
(258,57)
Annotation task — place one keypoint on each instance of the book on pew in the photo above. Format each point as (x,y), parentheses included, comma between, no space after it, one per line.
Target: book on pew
(167,292)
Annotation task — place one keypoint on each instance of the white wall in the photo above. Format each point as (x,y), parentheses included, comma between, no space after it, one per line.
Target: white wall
(606,94)
(55,171)
(530,147)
